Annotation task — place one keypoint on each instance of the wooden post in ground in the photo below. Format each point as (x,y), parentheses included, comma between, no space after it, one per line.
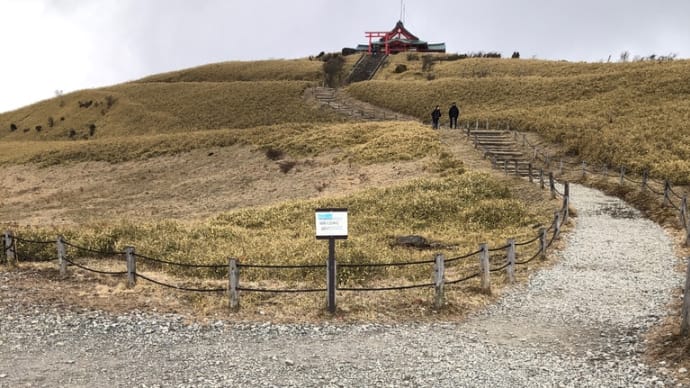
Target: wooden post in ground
(556,224)
(682,215)
(606,171)
(476,124)
(542,242)
(566,200)
(439,279)
(131,267)
(233,283)
(667,190)
(552,185)
(685,323)
(9,244)
(61,256)
(622,174)
(517,172)
(524,140)
(511,260)
(529,168)
(645,176)
(484,268)
(505,166)
(541,178)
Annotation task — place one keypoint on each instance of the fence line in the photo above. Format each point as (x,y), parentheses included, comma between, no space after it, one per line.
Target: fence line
(643,183)
(233,266)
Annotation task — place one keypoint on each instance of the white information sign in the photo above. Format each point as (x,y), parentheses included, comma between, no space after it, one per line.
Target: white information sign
(331,223)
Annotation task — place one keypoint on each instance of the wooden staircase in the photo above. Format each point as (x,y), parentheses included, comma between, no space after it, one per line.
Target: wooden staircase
(353,108)
(365,68)
(505,154)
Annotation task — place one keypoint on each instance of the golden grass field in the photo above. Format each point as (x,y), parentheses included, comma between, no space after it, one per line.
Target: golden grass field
(190,166)
(633,114)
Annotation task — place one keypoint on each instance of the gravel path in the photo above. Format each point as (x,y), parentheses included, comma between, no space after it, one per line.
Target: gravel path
(577,324)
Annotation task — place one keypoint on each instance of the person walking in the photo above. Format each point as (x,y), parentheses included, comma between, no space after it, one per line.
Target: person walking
(435,117)
(453,113)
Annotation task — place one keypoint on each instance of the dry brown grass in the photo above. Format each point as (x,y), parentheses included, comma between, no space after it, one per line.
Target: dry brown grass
(158,108)
(632,114)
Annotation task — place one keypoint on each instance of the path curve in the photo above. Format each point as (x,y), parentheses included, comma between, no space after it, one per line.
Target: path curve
(578,323)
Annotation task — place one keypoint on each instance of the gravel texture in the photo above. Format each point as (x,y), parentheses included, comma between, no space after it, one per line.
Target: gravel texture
(578,323)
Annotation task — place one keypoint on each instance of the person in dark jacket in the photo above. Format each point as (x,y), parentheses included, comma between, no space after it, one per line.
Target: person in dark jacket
(435,117)
(453,113)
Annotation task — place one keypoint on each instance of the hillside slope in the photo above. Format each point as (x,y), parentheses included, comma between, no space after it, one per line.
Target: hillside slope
(633,114)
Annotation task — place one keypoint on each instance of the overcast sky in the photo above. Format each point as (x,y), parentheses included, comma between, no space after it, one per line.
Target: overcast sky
(67,45)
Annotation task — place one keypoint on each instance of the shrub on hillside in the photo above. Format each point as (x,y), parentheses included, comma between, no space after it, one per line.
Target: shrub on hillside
(274,154)
(400,68)
(427,62)
(332,70)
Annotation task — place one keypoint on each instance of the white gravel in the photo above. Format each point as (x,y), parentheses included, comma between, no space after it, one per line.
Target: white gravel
(576,324)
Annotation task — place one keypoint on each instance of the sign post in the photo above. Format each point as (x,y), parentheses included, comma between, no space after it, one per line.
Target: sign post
(331,224)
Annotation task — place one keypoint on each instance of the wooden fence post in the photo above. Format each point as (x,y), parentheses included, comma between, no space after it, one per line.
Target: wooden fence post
(484,268)
(667,189)
(542,242)
(685,324)
(9,244)
(529,168)
(645,176)
(606,170)
(487,124)
(61,256)
(505,166)
(511,260)
(556,224)
(439,279)
(622,174)
(476,124)
(131,267)
(524,140)
(566,200)
(517,172)
(233,283)
(476,141)
(541,178)
(552,185)
(684,218)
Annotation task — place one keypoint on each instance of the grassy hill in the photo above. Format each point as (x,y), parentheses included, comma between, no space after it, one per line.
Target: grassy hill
(633,114)
(231,159)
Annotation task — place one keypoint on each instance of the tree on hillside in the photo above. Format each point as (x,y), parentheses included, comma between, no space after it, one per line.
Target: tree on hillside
(333,69)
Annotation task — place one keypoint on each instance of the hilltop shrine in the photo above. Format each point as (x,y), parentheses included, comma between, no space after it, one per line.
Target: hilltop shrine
(398,40)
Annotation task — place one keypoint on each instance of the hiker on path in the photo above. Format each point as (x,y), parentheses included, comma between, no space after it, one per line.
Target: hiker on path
(435,117)
(453,113)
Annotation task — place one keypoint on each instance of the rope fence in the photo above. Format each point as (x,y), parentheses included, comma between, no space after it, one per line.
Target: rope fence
(503,262)
(644,183)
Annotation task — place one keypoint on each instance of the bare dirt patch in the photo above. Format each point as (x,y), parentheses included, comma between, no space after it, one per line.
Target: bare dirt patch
(188,186)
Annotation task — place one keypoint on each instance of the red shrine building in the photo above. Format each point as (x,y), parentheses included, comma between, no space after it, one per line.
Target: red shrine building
(398,40)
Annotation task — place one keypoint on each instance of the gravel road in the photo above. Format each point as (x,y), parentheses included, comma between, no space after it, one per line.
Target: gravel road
(577,324)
